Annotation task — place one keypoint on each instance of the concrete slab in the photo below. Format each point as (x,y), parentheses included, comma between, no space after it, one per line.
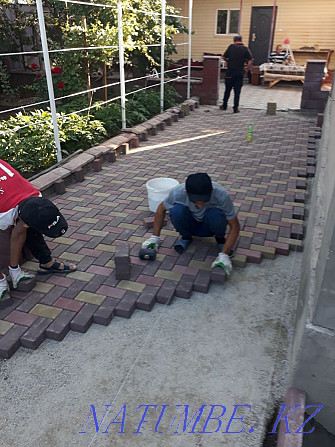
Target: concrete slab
(229,347)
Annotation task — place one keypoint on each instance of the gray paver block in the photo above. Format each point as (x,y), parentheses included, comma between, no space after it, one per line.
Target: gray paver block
(122,261)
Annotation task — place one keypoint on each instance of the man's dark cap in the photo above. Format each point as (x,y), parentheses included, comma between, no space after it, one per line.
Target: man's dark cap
(199,187)
(42,215)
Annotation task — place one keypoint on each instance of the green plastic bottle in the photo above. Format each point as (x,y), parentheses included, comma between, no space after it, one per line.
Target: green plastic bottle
(249,133)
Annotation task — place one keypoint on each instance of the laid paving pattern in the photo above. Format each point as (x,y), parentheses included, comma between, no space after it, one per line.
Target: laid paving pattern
(267,179)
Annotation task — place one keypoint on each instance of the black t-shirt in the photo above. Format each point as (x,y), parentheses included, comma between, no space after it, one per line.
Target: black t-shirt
(237,55)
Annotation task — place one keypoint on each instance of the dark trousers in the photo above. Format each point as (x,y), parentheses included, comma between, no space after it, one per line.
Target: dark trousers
(38,247)
(233,82)
(214,223)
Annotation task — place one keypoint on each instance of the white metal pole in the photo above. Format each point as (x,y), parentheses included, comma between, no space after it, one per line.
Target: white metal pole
(121,62)
(48,76)
(163,53)
(190,12)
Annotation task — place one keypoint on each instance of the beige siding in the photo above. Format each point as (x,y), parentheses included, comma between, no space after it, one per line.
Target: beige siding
(304,22)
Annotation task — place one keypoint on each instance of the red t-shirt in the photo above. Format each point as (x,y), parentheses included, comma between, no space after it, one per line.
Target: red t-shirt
(13,188)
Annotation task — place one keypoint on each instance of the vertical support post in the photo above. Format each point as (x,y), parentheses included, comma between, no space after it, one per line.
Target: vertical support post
(190,13)
(162,52)
(272,25)
(240,17)
(48,76)
(121,63)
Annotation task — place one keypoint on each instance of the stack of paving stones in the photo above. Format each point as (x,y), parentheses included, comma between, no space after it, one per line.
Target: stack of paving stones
(108,215)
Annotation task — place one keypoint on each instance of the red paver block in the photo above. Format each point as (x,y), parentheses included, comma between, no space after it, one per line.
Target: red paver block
(60,326)
(106,311)
(166,292)
(253,256)
(21,318)
(10,342)
(150,280)
(202,281)
(281,248)
(97,165)
(36,334)
(66,304)
(127,305)
(147,298)
(84,318)
(122,261)
(218,274)
(185,287)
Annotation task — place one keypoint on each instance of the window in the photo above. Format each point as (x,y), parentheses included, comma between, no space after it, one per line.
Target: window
(227,21)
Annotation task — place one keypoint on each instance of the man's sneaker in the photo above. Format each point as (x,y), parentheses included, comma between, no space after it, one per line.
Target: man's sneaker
(231,253)
(18,275)
(222,107)
(4,289)
(236,111)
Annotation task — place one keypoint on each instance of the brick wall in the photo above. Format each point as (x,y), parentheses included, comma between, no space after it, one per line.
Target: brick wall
(312,96)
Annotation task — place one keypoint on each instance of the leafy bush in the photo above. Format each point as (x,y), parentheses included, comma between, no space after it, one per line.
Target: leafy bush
(110,115)
(27,141)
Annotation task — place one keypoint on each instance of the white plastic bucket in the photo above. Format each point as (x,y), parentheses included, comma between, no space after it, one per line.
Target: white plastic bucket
(158,190)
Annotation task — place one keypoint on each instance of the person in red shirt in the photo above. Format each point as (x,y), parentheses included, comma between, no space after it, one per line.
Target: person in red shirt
(31,216)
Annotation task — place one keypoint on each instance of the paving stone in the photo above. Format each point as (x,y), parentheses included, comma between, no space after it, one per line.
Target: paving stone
(252,255)
(43,310)
(104,314)
(218,274)
(5,326)
(147,298)
(202,281)
(60,326)
(24,286)
(66,304)
(126,307)
(36,334)
(6,302)
(281,249)
(239,260)
(166,292)
(267,252)
(10,342)
(185,287)
(88,297)
(84,318)
(21,318)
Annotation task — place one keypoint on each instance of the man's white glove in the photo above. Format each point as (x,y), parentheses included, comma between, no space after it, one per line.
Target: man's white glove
(152,242)
(18,275)
(223,261)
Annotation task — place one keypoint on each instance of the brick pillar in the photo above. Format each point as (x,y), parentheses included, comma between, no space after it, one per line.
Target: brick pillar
(210,80)
(312,96)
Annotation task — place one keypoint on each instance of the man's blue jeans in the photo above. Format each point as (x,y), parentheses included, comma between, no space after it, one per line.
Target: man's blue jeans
(214,223)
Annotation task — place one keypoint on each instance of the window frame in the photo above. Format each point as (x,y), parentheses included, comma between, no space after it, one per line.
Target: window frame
(228,21)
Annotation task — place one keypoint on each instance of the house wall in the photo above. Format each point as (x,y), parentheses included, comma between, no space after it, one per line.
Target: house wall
(304,22)
(312,366)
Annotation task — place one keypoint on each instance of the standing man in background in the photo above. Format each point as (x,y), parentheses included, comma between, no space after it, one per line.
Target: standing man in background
(239,60)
